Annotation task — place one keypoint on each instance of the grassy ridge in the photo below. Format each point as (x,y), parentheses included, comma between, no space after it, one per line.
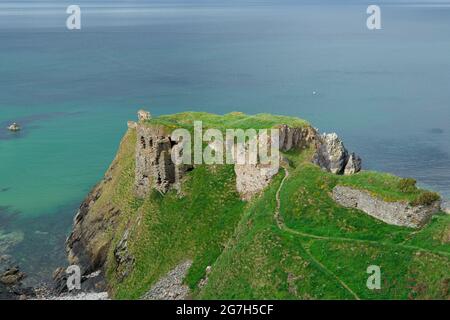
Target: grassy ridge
(323,251)
(228,121)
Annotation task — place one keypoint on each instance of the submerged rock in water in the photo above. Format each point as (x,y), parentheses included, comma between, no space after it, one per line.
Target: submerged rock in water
(8,240)
(11,287)
(12,276)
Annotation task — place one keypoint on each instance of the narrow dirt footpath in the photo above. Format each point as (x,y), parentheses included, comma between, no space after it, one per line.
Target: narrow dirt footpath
(283,227)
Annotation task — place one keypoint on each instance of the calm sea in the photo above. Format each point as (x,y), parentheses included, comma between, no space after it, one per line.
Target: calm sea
(386,92)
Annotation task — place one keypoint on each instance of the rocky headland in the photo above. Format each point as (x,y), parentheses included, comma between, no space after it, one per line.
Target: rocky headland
(109,223)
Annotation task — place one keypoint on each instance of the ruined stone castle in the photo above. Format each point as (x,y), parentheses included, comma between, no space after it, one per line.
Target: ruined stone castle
(155,168)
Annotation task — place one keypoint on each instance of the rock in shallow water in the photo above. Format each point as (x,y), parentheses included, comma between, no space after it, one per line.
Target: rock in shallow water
(11,287)
(12,276)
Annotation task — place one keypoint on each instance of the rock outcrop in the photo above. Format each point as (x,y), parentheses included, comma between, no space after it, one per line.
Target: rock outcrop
(396,213)
(12,276)
(89,242)
(171,286)
(332,156)
(11,286)
(87,245)
(124,260)
(353,165)
(296,138)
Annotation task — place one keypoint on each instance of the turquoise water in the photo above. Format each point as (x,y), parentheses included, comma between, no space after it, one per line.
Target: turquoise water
(385,92)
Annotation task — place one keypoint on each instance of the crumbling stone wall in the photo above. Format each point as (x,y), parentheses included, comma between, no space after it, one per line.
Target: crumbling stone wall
(396,213)
(251,179)
(330,155)
(154,165)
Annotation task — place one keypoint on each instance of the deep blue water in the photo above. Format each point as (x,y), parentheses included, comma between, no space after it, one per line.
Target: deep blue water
(386,92)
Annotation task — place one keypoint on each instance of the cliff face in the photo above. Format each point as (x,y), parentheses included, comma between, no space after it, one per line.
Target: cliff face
(89,243)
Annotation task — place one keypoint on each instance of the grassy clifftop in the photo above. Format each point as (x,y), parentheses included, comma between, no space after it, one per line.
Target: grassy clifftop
(233,120)
(292,242)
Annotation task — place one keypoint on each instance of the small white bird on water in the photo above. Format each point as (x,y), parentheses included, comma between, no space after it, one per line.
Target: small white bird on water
(14,127)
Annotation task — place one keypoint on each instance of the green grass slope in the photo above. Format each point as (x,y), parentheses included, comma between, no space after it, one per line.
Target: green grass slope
(292,242)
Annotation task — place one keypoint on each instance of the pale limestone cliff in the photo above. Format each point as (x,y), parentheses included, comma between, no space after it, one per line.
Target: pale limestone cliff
(332,156)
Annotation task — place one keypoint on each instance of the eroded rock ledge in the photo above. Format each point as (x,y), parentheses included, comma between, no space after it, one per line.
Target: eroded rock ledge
(396,213)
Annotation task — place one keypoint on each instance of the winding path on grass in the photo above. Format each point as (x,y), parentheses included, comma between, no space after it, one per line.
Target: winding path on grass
(282,226)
